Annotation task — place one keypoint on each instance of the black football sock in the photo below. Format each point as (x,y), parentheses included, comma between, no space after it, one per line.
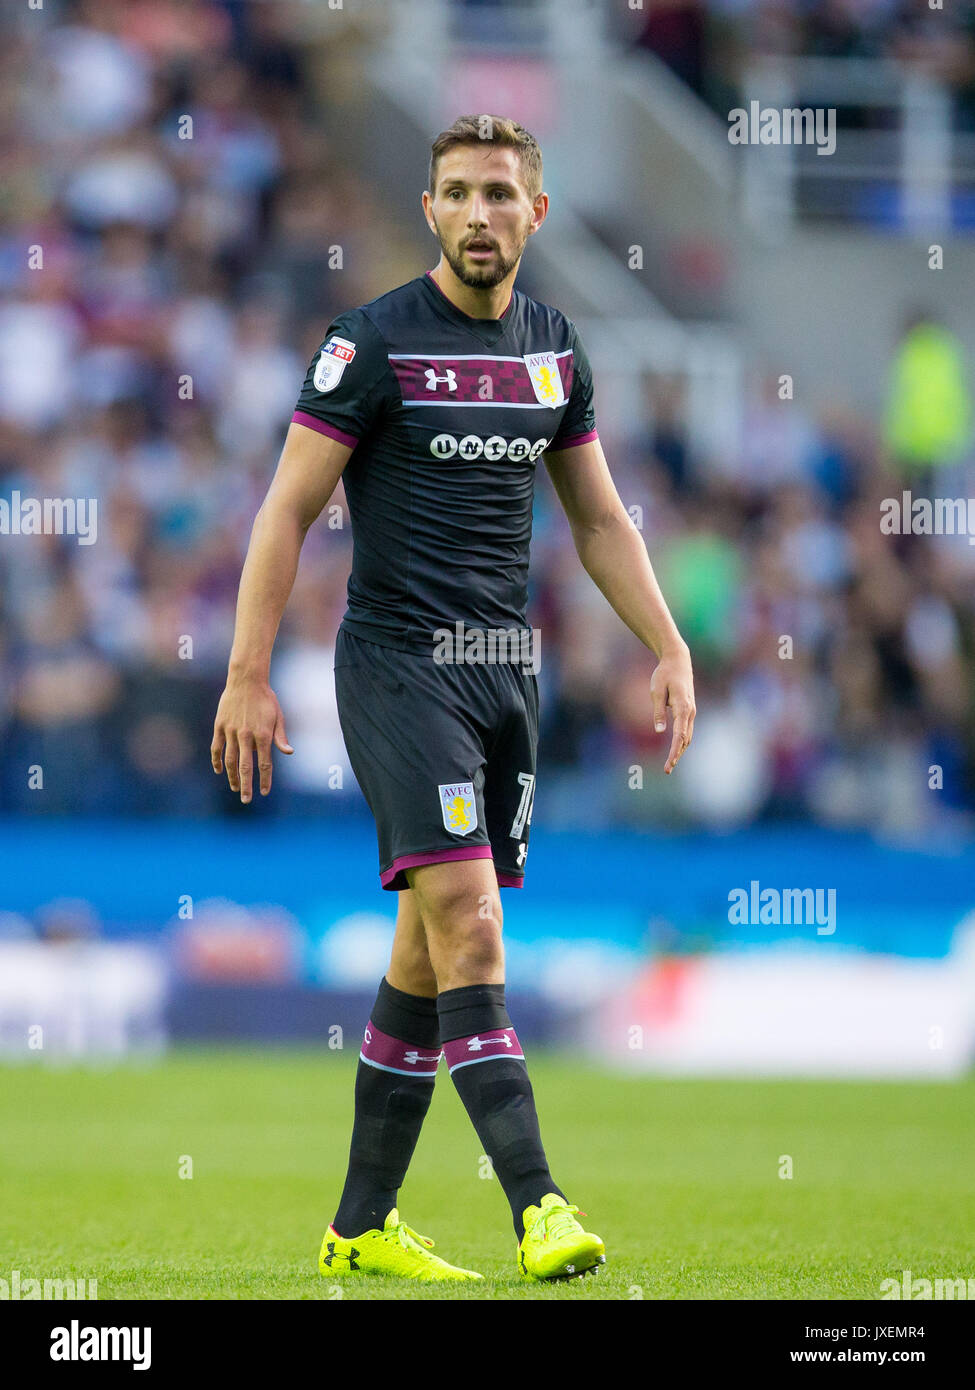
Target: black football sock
(393,1089)
(488,1068)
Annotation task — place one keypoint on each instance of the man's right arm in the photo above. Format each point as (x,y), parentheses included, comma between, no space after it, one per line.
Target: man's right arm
(249,717)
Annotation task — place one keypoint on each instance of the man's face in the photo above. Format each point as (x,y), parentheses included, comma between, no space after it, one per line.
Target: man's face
(481,212)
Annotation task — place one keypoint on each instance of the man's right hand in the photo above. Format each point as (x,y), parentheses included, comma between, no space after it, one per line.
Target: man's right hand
(248,718)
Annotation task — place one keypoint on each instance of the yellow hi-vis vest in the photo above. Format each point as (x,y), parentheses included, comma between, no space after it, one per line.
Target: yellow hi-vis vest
(929,408)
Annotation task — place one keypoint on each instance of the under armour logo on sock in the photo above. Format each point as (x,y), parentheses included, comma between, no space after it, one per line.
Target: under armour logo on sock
(392,1055)
(479,1048)
(475,1044)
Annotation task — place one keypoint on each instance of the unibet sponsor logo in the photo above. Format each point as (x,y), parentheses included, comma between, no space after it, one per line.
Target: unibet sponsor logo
(472,446)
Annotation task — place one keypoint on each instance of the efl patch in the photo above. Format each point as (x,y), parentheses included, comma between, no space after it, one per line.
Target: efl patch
(458,806)
(335,357)
(546,379)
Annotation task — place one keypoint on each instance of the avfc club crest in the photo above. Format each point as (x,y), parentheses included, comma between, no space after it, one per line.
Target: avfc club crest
(332,362)
(546,379)
(458,807)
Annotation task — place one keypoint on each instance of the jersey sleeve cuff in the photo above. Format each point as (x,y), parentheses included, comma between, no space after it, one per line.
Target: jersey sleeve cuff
(312,422)
(571,442)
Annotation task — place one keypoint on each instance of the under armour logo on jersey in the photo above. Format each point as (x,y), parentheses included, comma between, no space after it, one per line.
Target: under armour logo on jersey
(414,1057)
(352,1256)
(475,1044)
(450,377)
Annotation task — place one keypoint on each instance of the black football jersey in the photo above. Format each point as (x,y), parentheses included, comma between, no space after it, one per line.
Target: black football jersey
(447,417)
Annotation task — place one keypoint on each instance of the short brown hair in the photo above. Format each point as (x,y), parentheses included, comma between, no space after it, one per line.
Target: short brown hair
(491,130)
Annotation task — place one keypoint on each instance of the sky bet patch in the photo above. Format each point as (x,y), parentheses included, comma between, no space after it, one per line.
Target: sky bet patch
(335,357)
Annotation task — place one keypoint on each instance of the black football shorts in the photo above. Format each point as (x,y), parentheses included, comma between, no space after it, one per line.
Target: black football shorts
(444,754)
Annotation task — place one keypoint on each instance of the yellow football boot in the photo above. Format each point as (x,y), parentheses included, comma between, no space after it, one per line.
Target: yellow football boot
(554,1245)
(394,1250)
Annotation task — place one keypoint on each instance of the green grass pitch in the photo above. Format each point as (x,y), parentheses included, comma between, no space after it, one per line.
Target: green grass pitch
(681,1178)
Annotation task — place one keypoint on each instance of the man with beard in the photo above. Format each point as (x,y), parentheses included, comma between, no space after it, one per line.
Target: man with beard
(434,402)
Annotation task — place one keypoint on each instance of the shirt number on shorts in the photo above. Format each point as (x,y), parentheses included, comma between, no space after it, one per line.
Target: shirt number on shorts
(523,816)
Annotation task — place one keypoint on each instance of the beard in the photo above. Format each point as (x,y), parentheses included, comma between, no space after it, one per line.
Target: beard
(480,277)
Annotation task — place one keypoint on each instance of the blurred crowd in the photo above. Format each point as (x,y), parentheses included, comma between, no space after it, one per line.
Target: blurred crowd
(177,167)
(178,228)
(708,42)
(834,663)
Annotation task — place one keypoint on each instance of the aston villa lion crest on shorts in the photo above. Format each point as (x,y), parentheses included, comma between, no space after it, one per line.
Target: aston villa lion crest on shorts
(458,807)
(546,379)
(335,357)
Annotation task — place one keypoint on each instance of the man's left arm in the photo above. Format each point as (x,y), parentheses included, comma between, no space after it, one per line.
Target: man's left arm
(614,555)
